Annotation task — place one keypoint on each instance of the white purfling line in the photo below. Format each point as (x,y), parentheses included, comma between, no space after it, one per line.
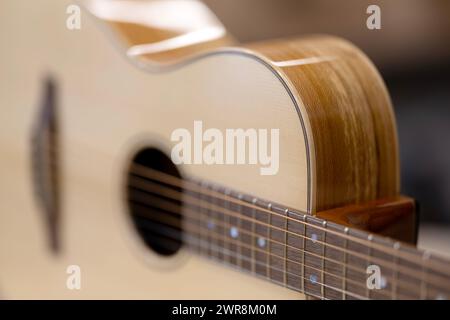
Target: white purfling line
(304,61)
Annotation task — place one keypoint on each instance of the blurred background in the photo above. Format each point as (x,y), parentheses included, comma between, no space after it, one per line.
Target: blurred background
(412,52)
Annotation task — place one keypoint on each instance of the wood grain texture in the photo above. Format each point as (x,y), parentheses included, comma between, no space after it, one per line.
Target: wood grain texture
(347,105)
(352,121)
(394,217)
(348,109)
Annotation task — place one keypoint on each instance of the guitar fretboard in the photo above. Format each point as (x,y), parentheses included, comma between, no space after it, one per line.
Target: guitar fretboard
(288,247)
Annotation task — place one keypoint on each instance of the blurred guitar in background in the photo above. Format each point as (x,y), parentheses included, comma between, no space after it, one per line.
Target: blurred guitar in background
(88,177)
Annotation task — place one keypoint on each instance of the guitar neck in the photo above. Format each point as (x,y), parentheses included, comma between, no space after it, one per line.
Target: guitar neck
(301,252)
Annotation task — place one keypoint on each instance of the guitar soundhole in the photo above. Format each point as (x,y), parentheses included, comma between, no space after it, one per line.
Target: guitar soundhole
(154,199)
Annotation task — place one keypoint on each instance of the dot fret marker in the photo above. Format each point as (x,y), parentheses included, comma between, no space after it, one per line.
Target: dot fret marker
(261,242)
(383,282)
(234,232)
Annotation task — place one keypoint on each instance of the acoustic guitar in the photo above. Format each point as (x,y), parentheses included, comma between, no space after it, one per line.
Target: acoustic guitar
(93,179)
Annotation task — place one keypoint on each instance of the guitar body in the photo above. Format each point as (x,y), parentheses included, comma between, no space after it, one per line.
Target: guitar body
(336,152)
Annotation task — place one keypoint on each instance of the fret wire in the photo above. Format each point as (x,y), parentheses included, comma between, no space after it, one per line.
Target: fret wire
(311,253)
(214,218)
(269,237)
(285,248)
(423,284)
(227,219)
(323,260)
(262,232)
(389,265)
(364,242)
(253,236)
(223,230)
(304,251)
(395,280)
(204,222)
(199,237)
(370,238)
(203,198)
(239,223)
(344,279)
(203,233)
(232,219)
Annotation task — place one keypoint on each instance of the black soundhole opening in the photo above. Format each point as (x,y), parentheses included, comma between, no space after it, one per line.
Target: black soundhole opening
(154,200)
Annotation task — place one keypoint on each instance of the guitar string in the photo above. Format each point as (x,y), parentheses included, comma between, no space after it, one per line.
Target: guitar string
(221,237)
(228,198)
(237,242)
(145,200)
(171,209)
(172,180)
(206,245)
(363,256)
(179,182)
